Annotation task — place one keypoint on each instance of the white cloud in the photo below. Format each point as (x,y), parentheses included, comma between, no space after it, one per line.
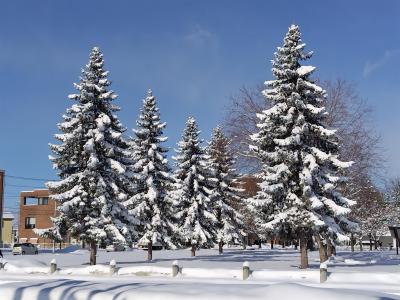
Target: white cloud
(200,37)
(371,67)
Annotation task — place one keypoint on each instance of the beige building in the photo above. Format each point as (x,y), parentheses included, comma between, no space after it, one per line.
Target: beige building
(7,228)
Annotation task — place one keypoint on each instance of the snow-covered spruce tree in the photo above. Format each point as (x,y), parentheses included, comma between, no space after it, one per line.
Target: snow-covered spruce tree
(191,193)
(92,162)
(149,204)
(225,197)
(301,172)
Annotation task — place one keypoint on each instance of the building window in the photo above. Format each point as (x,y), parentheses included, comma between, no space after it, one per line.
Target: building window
(43,201)
(30,201)
(30,223)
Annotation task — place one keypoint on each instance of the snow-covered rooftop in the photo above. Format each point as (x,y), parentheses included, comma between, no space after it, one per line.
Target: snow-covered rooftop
(8,215)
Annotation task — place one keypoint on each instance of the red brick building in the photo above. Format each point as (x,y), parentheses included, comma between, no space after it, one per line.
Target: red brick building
(35,211)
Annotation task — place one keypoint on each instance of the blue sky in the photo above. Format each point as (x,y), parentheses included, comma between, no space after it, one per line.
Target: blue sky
(193,54)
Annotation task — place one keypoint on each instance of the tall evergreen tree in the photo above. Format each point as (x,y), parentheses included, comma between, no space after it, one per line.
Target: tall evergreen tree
(148,205)
(225,197)
(191,193)
(299,193)
(92,162)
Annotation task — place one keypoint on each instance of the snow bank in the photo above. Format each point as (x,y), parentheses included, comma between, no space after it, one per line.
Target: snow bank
(365,278)
(337,260)
(211,273)
(26,267)
(145,271)
(310,276)
(89,270)
(70,249)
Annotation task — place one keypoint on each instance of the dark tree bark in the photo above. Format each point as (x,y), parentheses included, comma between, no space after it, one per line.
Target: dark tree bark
(321,248)
(303,252)
(220,247)
(329,248)
(193,250)
(93,252)
(150,251)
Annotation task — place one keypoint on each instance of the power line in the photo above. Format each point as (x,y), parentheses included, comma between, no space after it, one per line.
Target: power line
(28,178)
(30,186)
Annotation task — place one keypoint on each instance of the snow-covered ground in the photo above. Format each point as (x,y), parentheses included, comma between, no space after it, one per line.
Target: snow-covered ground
(359,275)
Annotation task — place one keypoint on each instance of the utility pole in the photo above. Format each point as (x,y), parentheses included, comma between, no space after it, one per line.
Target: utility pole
(2,173)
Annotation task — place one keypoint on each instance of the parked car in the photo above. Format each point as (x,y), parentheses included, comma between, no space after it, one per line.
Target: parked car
(115,247)
(156,246)
(24,248)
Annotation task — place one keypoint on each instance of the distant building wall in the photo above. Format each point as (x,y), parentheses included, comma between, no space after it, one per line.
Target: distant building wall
(36,210)
(7,229)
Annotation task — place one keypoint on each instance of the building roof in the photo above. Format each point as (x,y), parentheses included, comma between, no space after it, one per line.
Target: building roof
(8,216)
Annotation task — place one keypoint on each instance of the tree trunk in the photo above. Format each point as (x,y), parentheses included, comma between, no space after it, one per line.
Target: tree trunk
(93,252)
(303,252)
(193,250)
(370,244)
(352,242)
(322,250)
(220,247)
(272,244)
(376,244)
(329,248)
(150,251)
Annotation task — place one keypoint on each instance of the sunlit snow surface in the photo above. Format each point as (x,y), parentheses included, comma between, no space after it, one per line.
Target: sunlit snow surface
(359,275)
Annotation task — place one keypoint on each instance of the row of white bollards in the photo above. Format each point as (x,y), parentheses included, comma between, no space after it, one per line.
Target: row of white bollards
(176,269)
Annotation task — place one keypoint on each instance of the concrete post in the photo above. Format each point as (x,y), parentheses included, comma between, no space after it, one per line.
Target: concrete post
(323,272)
(175,268)
(246,270)
(113,267)
(53,266)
